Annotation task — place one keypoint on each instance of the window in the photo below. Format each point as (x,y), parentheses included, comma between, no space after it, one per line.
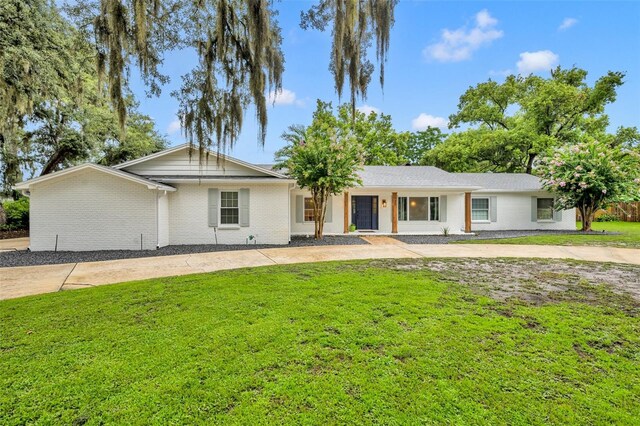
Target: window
(479,209)
(308,210)
(229,211)
(402,208)
(545,208)
(419,208)
(434,208)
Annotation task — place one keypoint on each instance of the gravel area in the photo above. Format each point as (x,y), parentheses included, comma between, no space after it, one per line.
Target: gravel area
(482,235)
(25,258)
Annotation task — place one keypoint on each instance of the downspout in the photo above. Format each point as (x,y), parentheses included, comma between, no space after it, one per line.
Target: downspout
(290,187)
(157,218)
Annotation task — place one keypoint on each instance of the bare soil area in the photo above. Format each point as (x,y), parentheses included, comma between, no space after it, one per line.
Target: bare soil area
(538,281)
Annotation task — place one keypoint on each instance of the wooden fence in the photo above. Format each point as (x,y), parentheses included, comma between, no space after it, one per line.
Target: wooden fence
(626,212)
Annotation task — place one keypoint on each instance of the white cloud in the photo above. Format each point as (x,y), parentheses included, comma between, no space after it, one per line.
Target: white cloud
(368,109)
(567,23)
(174,127)
(484,19)
(284,97)
(542,60)
(501,73)
(423,121)
(459,45)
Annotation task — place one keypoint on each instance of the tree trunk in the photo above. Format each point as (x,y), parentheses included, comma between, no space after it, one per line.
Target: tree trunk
(53,162)
(586,213)
(319,211)
(530,163)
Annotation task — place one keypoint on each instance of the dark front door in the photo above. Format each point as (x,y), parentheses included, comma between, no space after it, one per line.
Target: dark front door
(364,211)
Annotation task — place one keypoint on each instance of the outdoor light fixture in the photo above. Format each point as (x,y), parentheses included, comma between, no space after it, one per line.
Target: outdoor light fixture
(384,204)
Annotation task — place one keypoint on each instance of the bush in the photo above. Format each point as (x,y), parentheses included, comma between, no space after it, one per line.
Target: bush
(17,213)
(606,218)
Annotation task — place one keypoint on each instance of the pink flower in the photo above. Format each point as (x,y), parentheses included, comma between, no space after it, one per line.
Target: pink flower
(583,185)
(563,184)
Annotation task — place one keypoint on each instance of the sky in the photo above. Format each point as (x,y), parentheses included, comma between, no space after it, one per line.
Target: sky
(438,50)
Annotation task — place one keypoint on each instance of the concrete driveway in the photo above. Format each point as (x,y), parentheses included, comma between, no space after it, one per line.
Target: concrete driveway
(30,280)
(13,244)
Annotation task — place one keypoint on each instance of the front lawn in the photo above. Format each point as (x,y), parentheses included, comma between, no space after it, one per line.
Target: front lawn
(388,342)
(629,236)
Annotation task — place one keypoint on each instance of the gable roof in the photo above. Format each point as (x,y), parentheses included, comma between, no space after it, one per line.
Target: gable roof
(186,146)
(504,182)
(22,186)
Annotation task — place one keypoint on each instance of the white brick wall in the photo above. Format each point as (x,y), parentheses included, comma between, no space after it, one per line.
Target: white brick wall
(268,219)
(514,213)
(91,210)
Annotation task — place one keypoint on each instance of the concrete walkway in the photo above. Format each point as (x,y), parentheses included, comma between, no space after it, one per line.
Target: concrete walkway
(30,280)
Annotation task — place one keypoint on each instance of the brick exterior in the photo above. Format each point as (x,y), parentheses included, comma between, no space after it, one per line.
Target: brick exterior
(91,210)
(268,221)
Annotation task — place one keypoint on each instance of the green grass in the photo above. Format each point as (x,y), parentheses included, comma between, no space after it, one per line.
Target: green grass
(629,237)
(330,343)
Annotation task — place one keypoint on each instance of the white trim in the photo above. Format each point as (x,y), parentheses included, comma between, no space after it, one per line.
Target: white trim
(196,180)
(488,209)
(108,170)
(186,146)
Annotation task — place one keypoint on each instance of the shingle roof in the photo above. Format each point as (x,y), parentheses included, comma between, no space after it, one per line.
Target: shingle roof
(412,176)
(503,181)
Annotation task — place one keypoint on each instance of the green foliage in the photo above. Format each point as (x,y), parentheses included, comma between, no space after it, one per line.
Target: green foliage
(36,64)
(65,120)
(330,343)
(606,217)
(381,144)
(355,24)
(17,213)
(523,118)
(421,143)
(323,158)
(591,175)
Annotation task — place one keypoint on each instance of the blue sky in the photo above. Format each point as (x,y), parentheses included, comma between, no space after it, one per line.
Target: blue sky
(438,49)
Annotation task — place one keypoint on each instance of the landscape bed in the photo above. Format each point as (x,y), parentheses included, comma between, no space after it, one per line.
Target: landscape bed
(385,341)
(610,234)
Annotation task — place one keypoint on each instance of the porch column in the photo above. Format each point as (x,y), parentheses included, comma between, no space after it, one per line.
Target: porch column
(467,212)
(346,212)
(394,212)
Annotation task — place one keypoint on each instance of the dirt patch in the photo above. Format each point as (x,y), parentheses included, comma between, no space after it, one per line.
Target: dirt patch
(5,235)
(537,281)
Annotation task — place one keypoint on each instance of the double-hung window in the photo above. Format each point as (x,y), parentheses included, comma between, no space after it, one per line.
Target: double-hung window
(545,209)
(419,208)
(480,209)
(229,208)
(309,215)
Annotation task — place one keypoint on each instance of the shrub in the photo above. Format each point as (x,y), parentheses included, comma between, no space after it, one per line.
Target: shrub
(17,213)
(606,218)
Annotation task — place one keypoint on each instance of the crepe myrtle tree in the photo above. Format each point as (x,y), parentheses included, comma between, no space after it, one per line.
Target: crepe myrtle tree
(591,175)
(324,158)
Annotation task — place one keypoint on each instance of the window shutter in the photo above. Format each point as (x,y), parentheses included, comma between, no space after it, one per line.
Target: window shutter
(328,217)
(244,206)
(213,206)
(493,209)
(443,208)
(534,209)
(299,209)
